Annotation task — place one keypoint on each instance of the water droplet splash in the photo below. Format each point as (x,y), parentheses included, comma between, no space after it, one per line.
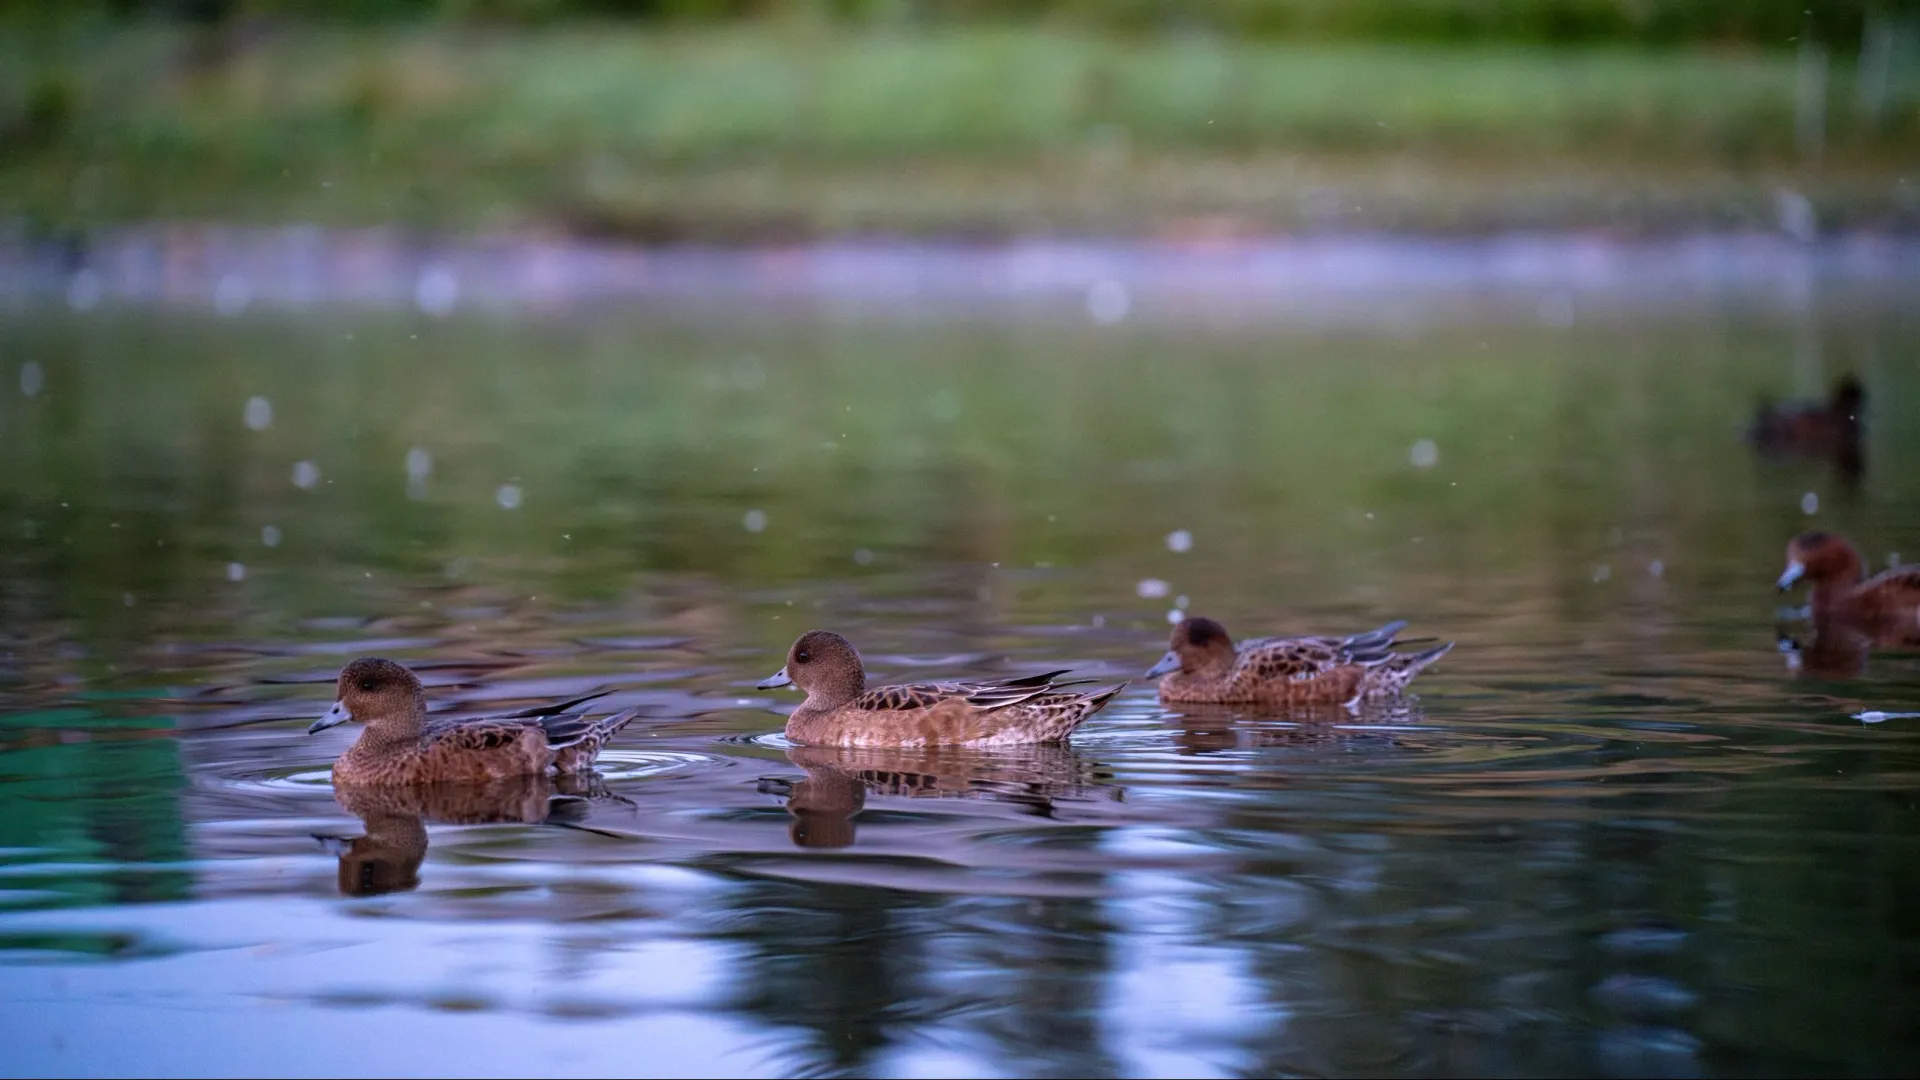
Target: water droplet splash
(437,292)
(1810,503)
(258,414)
(1108,302)
(1424,454)
(305,474)
(1179,541)
(32,378)
(236,572)
(1151,588)
(754,521)
(270,535)
(508,496)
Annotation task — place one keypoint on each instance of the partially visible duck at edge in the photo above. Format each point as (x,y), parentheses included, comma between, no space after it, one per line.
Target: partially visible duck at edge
(1838,589)
(841,711)
(1829,429)
(401,745)
(1204,667)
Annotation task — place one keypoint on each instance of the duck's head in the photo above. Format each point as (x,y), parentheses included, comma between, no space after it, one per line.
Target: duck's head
(1196,644)
(823,664)
(371,689)
(1819,556)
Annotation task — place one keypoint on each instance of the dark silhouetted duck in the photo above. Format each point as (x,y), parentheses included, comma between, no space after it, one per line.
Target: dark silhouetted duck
(1886,606)
(1829,429)
(1204,667)
(841,711)
(401,745)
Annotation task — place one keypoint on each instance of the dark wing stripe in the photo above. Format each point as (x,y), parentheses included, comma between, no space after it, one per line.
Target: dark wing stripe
(554,710)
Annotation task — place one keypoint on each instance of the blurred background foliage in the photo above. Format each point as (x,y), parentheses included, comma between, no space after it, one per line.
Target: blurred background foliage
(747,119)
(1765,23)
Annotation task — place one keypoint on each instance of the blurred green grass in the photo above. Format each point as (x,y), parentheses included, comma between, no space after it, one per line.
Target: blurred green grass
(791,129)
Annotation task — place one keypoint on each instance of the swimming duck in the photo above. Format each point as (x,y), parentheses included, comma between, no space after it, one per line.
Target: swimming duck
(1204,667)
(401,745)
(841,711)
(1888,603)
(1829,429)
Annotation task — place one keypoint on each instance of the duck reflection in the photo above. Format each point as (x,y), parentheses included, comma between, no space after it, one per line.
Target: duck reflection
(824,803)
(1837,648)
(1213,729)
(387,857)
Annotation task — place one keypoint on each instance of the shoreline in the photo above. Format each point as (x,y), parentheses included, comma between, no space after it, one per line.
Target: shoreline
(228,270)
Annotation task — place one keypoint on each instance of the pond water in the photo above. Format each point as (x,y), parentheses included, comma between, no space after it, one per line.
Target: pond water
(1617,832)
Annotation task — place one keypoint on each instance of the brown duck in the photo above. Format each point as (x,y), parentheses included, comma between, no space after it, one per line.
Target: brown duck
(841,711)
(1204,667)
(1886,606)
(401,745)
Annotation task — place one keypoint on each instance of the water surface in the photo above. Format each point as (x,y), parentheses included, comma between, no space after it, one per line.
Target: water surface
(1617,833)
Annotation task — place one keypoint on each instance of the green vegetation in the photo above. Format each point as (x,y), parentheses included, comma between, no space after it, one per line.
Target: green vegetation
(802,127)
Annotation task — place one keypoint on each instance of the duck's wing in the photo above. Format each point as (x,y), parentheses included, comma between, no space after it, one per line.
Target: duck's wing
(987,695)
(555,709)
(1297,658)
(1898,588)
(482,733)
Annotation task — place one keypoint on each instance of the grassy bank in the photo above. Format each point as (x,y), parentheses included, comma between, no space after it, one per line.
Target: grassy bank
(773,131)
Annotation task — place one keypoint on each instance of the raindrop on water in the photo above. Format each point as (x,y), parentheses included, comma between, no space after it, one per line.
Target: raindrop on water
(1602,573)
(1425,454)
(259,413)
(231,296)
(1179,541)
(1151,588)
(83,291)
(419,467)
(1657,568)
(1175,615)
(863,557)
(754,521)
(437,292)
(32,378)
(1810,503)
(508,496)
(305,474)
(236,572)
(270,535)
(1108,302)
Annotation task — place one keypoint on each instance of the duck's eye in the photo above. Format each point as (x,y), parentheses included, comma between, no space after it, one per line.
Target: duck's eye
(368,685)
(803,656)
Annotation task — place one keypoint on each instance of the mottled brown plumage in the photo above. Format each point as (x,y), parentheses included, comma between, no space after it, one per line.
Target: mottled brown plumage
(841,711)
(402,745)
(1204,667)
(1886,607)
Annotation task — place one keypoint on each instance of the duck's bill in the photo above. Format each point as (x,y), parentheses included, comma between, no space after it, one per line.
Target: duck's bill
(335,717)
(778,678)
(1795,570)
(1169,662)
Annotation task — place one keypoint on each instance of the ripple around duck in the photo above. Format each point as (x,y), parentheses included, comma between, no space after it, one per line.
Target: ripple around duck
(241,778)
(615,765)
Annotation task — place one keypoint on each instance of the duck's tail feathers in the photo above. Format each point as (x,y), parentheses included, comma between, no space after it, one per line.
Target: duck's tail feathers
(1090,704)
(1373,639)
(574,729)
(1390,675)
